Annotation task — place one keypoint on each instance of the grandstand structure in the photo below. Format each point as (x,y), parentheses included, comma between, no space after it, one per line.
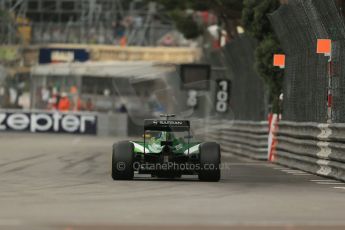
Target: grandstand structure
(8,28)
(119,22)
(52,35)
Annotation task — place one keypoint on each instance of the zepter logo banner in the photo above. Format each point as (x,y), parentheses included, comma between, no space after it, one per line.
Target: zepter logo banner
(48,122)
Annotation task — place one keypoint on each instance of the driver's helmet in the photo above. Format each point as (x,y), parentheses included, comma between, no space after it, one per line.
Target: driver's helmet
(154,144)
(162,136)
(158,137)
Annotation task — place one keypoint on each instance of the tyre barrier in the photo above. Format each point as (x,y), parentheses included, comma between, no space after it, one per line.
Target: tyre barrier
(245,138)
(312,147)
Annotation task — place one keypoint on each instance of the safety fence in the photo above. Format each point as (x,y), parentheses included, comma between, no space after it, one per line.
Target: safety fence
(245,138)
(298,25)
(249,97)
(312,147)
(235,62)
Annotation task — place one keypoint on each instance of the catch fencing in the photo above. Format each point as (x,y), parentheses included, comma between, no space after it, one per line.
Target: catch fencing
(248,100)
(298,25)
(249,97)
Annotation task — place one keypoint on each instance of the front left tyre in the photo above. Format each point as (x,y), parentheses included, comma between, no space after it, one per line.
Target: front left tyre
(122,161)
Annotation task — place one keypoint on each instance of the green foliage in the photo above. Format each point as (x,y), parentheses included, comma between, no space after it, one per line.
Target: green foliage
(248,15)
(186,25)
(173,5)
(257,24)
(225,9)
(255,18)
(272,76)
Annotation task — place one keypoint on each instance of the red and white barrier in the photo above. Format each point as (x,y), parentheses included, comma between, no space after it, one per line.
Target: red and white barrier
(272,138)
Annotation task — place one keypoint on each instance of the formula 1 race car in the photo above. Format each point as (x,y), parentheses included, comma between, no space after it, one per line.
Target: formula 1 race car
(166,152)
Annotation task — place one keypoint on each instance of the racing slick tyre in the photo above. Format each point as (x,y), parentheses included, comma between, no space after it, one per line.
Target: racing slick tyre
(209,162)
(122,161)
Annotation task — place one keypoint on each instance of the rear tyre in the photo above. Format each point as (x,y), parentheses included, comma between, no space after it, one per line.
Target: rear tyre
(122,161)
(209,162)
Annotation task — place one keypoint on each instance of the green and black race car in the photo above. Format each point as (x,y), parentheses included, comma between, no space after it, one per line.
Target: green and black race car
(166,152)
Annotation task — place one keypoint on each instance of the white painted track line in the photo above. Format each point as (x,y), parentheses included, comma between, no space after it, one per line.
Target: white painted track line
(331,183)
(324,180)
(339,188)
(291,170)
(279,168)
(302,174)
(294,172)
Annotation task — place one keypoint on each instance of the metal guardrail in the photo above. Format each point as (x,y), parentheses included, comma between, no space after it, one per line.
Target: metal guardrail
(243,138)
(312,147)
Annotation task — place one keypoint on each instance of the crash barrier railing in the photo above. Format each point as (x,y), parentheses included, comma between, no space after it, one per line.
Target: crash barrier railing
(312,147)
(245,138)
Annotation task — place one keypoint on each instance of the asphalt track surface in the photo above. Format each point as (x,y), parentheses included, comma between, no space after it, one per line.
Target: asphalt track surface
(63,182)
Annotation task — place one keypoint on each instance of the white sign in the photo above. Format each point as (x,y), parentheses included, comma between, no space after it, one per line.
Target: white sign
(222,96)
(48,122)
(62,56)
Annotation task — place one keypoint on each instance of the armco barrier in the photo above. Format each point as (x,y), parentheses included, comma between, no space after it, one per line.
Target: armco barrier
(243,138)
(312,147)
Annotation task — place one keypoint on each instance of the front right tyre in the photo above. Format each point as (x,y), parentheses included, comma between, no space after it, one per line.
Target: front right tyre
(209,155)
